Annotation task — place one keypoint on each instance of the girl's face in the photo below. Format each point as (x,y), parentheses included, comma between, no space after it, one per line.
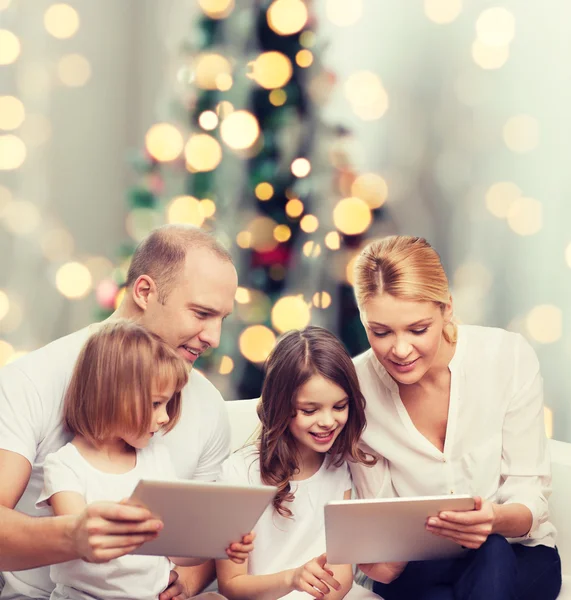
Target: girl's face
(159,416)
(322,409)
(406,336)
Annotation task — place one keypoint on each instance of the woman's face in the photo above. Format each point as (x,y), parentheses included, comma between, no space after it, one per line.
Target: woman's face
(406,336)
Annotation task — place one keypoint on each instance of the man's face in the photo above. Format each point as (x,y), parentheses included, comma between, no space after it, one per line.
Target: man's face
(190,319)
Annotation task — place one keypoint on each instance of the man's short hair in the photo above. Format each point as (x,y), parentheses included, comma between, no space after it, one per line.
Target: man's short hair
(162,253)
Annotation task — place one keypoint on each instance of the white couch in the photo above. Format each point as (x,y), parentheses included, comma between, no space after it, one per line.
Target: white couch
(244,420)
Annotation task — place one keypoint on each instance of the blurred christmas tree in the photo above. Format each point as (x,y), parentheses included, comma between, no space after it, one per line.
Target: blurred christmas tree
(261,168)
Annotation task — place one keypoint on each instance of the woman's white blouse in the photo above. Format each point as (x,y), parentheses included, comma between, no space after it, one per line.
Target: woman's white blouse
(495,444)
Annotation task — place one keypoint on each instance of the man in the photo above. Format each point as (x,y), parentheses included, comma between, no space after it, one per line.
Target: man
(181,285)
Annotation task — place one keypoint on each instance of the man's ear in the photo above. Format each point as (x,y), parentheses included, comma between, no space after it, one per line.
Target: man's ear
(143,288)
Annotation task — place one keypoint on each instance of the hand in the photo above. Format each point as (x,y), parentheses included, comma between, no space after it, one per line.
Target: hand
(175,590)
(238,551)
(383,572)
(467,528)
(314,577)
(106,530)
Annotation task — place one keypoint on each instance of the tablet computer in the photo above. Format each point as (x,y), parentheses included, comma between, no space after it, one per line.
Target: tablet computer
(200,518)
(388,529)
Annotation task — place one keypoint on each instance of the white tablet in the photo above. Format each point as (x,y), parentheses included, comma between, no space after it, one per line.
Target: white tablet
(388,529)
(200,518)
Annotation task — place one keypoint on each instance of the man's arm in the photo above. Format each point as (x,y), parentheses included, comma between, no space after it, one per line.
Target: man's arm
(101,532)
(196,579)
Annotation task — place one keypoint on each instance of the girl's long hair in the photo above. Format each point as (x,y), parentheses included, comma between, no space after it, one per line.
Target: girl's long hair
(297,357)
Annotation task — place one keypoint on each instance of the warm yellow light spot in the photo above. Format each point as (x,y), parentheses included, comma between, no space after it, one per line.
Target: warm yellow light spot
(287,17)
(307,39)
(243,295)
(240,130)
(208,207)
(367,96)
(290,312)
(21,217)
(256,343)
(301,167)
(57,244)
(264,191)
(61,21)
(185,209)
(12,113)
(294,208)
(208,120)
(73,280)
(6,352)
(217,9)
(224,108)
(309,223)
(226,365)
(304,58)
(4,304)
(74,70)
(202,152)
(525,216)
(548,420)
(208,68)
(9,47)
(321,300)
(278,97)
(119,297)
(442,11)
(545,323)
(352,216)
(495,26)
(282,233)
(311,249)
(500,197)
(344,13)
(271,70)
(521,133)
(244,239)
(12,152)
(349,270)
(489,57)
(224,82)
(262,230)
(371,188)
(164,142)
(333,240)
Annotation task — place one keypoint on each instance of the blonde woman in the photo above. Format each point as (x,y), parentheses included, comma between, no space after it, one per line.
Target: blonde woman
(453,409)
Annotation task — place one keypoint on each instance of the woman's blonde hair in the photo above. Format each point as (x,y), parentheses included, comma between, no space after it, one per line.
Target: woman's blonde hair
(110,392)
(405,267)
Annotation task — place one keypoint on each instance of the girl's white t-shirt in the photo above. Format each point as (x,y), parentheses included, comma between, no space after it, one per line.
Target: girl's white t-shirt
(286,543)
(125,578)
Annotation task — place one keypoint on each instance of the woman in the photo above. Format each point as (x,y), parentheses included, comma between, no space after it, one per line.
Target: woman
(453,409)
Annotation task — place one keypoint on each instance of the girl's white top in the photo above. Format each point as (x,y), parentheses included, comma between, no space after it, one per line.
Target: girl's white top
(286,543)
(495,445)
(125,578)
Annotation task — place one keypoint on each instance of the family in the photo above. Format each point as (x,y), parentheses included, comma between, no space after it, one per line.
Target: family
(432,408)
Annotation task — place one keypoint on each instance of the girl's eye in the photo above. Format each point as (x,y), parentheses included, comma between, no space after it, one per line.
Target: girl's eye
(419,331)
(156,405)
(340,408)
(307,412)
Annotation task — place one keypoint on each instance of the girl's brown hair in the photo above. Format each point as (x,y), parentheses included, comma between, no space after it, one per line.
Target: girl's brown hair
(297,357)
(110,392)
(405,267)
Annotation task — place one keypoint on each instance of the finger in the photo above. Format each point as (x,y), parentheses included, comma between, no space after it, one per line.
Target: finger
(327,577)
(463,539)
(114,511)
(173,576)
(321,560)
(476,528)
(119,542)
(237,561)
(305,587)
(247,548)
(240,555)
(478,503)
(473,517)
(317,583)
(248,538)
(103,527)
(102,556)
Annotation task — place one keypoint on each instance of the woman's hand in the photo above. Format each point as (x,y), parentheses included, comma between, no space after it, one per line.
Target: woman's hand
(238,551)
(467,528)
(314,578)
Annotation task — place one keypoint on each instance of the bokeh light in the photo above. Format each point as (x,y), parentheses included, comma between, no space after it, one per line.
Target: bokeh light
(6,352)
(208,207)
(333,240)
(74,70)
(544,323)
(352,215)
(344,13)
(311,249)
(256,343)
(261,230)
(61,21)
(278,97)
(244,239)
(240,130)
(321,300)
(367,96)
(202,152)
(242,295)
(525,216)
(164,142)
(208,68)
(287,17)
(301,167)
(371,188)
(271,70)
(216,9)
(4,304)
(304,58)
(264,191)
(226,365)
(521,133)
(21,217)
(495,26)
(294,208)
(489,57)
(282,233)
(500,197)
(73,280)
(208,120)
(442,11)
(9,47)
(12,113)
(290,312)
(309,223)
(12,152)
(185,209)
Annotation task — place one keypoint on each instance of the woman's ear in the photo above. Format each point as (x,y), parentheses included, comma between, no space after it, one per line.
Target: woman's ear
(448,311)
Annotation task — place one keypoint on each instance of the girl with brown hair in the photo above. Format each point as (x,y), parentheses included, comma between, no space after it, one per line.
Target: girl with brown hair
(312,415)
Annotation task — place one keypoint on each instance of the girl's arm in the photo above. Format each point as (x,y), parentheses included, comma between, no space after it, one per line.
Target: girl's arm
(67,503)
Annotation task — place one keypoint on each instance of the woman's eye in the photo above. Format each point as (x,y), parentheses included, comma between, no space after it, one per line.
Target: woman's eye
(380,334)
(419,331)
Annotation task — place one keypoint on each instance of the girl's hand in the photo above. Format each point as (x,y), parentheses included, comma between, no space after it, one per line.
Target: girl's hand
(238,551)
(314,578)
(175,590)
(383,572)
(467,528)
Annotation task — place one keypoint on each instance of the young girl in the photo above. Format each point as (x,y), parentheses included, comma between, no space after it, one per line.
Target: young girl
(312,415)
(125,388)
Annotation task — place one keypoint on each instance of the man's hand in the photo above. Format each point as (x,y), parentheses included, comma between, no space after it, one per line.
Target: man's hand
(467,528)
(106,530)
(175,589)
(238,551)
